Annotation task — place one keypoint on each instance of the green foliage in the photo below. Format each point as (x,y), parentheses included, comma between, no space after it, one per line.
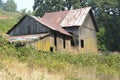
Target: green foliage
(7,20)
(23,12)
(57,61)
(105,65)
(1,3)
(112,34)
(101,39)
(69,4)
(10,6)
(107,15)
(43,6)
(6,24)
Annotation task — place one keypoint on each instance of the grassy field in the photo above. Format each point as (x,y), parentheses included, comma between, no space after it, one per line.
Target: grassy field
(7,20)
(26,63)
(20,63)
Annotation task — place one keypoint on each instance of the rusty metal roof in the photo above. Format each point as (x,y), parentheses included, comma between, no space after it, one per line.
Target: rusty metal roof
(75,17)
(57,20)
(68,18)
(56,17)
(45,22)
(52,25)
(71,17)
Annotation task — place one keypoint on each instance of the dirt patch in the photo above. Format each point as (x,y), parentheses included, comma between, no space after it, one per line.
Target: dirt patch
(5,17)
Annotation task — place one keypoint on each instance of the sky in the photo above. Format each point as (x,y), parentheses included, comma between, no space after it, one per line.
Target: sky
(22,4)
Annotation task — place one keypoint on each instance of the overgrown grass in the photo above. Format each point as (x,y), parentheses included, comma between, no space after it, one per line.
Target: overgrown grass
(7,20)
(6,24)
(9,14)
(105,66)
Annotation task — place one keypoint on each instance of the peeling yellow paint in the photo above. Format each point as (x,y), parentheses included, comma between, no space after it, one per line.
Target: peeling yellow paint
(89,46)
(43,45)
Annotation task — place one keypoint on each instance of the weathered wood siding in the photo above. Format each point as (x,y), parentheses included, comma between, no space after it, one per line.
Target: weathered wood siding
(88,36)
(43,44)
(47,42)
(28,26)
(85,36)
(60,42)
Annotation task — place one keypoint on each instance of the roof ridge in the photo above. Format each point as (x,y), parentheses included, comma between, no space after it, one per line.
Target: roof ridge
(56,12)
(67,10)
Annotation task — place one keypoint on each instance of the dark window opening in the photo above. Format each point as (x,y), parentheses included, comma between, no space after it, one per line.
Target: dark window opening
(51,49)
(55,40)
(82,43)
(64,44)
(72,42)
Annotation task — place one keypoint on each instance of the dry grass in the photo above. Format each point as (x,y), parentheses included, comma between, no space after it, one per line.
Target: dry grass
(28,64)
(15,70)
(12,69)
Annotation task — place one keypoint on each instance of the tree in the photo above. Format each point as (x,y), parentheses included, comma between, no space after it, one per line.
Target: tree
(42,6)
(1,3)
(23,12)
(107,15)
(10,6)
(72,4)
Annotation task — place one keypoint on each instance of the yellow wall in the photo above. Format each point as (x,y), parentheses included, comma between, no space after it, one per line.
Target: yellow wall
(43,44)
(47,42)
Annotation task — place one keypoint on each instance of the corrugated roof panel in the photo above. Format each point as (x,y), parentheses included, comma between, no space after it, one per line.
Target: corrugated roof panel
(56,17)
(68,18)
(51,25)
(75,17)
(57,27)
(43,22)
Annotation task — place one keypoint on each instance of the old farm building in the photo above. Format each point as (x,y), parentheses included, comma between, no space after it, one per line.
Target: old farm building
(73,30)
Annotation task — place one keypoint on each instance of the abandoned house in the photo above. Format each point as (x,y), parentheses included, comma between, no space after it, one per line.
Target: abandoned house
(71,30)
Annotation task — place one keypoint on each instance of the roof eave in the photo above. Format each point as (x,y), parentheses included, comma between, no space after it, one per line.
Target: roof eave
(94,21)
(17,24)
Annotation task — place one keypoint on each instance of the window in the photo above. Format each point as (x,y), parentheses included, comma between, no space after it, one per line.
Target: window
(82,43)
(51,49)
(72,42)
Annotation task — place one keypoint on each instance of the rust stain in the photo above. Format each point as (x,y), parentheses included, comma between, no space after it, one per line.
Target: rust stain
(75,17)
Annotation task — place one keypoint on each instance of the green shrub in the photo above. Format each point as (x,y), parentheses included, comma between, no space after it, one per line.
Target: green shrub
(107,64)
